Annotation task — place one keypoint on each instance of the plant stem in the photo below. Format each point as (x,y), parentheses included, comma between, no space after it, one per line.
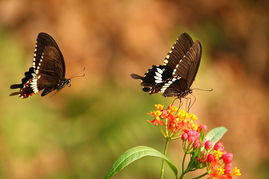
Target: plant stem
(164,152)
(182,175)
(183,163)
(201,176)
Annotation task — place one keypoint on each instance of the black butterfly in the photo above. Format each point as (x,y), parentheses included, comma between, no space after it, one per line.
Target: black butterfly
(176,75)
(47,72)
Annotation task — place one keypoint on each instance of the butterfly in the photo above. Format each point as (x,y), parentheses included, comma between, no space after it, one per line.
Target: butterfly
(47,72)
(175,77)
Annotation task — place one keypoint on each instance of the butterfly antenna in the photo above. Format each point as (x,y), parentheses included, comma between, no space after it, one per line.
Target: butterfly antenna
(209,90)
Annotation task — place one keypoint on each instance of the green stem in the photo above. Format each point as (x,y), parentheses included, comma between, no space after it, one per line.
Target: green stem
(183,163)
(164,152)
(182,175)
(201,176)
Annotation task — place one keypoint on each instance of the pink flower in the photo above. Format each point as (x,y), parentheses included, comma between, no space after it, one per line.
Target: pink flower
(208,145)
(196,143)
(219,146)
(228,168)
(227,158)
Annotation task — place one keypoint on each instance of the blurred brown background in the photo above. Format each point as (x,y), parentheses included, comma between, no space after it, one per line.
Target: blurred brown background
(79,132)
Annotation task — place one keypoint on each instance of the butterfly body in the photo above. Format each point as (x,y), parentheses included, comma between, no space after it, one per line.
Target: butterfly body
(47,72)
(175,77)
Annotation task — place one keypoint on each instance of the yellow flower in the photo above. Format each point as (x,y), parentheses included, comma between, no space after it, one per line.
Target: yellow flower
(236,172)
(217,154)
(220,171)
(172,109)
(194,126)
(194,117)
(157,113)
(159,106)
(182,114)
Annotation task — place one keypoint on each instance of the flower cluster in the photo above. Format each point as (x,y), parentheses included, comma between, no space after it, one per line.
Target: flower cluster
(173,119)
(220,163)
(176,123)
(217,161)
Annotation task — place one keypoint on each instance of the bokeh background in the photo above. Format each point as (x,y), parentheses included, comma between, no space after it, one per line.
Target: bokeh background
(79,132)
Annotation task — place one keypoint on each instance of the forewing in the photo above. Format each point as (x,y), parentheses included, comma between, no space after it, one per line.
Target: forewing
(189,64)
(48,50)
(178,50)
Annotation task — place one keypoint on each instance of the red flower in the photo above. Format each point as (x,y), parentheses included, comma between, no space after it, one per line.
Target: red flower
(219,146)
(210,158)
(228,168)
(227,158)
(208,145)
(184,136)
(202,127)
(156,122)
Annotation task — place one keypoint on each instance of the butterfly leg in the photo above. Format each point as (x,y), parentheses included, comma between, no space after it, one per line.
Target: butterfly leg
(180,103)
(188,103)
(193,100)
(174,101)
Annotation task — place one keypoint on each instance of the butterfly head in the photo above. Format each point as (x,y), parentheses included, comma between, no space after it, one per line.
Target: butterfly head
(63,83)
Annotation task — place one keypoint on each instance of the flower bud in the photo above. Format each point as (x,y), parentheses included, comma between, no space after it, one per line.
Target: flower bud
(219,146)
(196,144)
(228,168)
(208,145)
(184,136)
(191,138)
(202,127)
(227,158)
(210,158)
(164,114)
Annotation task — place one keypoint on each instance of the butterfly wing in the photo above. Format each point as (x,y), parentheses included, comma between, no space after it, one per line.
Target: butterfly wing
(188,66)
(48,68)
(174,87)
(175,77)
(47,50)
(154,78)
(178,50)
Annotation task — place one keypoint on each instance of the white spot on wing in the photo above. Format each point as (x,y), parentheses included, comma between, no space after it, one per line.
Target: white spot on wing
(158,74)
(166,85)
(34,85)
(158,81)
(160,71)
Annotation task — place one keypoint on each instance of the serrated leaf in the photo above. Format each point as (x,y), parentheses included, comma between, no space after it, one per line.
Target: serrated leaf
(134,154)
(215,134)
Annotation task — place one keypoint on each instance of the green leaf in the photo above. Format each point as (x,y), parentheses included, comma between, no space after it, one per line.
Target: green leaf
(215,134)
(134,154)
